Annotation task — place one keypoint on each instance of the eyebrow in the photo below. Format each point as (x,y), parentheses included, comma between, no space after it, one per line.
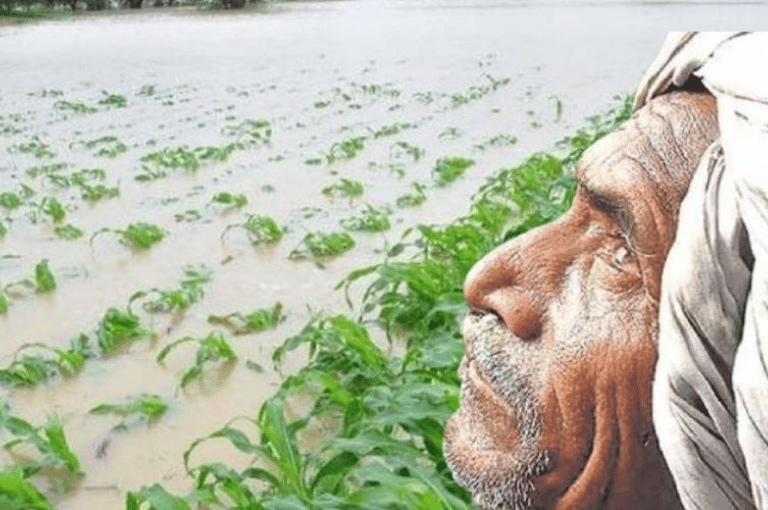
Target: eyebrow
(617,210)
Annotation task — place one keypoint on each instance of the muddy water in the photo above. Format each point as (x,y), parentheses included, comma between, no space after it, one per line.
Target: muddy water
(458,73)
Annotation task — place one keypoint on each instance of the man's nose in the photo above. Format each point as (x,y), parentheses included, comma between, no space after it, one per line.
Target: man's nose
(517,280)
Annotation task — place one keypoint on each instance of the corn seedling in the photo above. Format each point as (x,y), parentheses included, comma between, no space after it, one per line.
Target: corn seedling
(400,149)
(239,323)
(190,291)
(392,129)
(116,100)
(347,188)
(371,220)
(118,329)
(44,281)
(211,349)
(346,149)
(44,362)
(34,147)
(10,200)
(230,199)
(251,132)
(147,90)
(154,497)
(77,108)
(49,440)
(16,493)
(414,198)
(108,146)
(318,244)
(502,140)
(260,229)
(448,170)
(144,407)
(450,133)
(139,235)
(211,153)
(68,232)
(53,208)
(171,158)
(36,171)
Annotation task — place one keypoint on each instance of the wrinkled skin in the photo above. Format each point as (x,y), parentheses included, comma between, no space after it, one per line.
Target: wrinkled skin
(562,341)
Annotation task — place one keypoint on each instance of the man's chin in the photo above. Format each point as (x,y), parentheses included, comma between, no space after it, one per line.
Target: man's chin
(498,476)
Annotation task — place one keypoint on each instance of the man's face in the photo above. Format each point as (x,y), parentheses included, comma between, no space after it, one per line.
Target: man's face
(561,344)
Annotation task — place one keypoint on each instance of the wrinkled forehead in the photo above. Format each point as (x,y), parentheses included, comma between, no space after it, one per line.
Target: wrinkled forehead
(655,153)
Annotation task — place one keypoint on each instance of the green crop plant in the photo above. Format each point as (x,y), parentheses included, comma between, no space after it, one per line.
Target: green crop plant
(147,90)
(415,198)
(10,200)
(43,281)
(77,108)
(68,232)
(260,229)
(49,440)
(319,244)
(212,153)
(500,140)
(16,493)
(116,100)
(143,407)
(94,193)
(392,129)
(34,147)
(346,149)
(118,329)
(172,158)
(400,149)
(348,188)
(53,168)
(259,320)
(45,362)
(449,169)
(372,219)
(230,199)
(210,349)
(108,146)
(139,235)
(190,291)
(53,208)
(3,230)
(251,132)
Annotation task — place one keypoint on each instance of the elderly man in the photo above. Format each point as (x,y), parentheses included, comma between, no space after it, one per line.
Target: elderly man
(711,385)
(562,342)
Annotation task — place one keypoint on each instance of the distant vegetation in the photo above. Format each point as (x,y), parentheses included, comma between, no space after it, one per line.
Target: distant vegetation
(34,9)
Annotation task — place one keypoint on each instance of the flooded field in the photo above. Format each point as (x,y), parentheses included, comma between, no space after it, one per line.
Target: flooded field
(176,168)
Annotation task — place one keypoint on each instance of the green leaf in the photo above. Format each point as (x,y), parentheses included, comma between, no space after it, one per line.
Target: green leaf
(44,277)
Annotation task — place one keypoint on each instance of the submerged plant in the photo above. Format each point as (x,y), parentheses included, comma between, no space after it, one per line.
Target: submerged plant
(49,440)
(259,320)
(45,362)
(118,329)
(116,100)
(190,291)
(145,407)
(230,199)
(16,493)
(78,108)
(34,147)
(372,219)
(210,349)
(260,229)
(139,235)
(414,198)
(448,170)
(68,232)
(348,188)
(319,244)
(346,149)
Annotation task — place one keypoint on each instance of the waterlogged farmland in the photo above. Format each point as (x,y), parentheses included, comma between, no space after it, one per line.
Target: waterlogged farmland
(189,204)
